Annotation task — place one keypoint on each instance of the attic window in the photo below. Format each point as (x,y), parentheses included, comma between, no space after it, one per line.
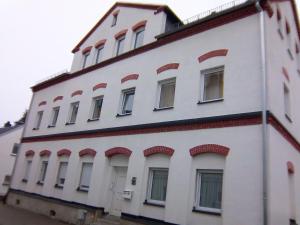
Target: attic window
(115,18)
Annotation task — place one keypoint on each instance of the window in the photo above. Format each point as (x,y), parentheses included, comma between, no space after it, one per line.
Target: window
(97,105)
(139,37)
(280,25)
(6,180)
(157,185)
(85,58)
(120,45)
(85,177)
(27,170)
(38,120)
(99,54)
(61,175)
(73,112)
(287,102)
(43,172)
(212,84)
(114,21)
(54,116)
(209,190)
(127,101)
(166,93)
(15,149)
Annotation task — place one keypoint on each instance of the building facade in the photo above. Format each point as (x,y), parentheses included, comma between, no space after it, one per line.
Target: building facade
(170,122)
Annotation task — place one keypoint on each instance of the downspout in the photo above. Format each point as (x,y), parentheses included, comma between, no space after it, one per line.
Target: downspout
(264,89)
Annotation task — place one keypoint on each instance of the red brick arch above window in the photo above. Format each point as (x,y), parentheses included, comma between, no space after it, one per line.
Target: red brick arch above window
(290,167)
(78,92)
(57,98)
(170,66)
(121,33)
(86,50)
(100,43)
(139,25)
(29,153)
(44,153)
(99,86)
(64,152)
(117,151)
(87,152)
(211,54)
(209,148)
(42,103)
(129,77)
(158,150)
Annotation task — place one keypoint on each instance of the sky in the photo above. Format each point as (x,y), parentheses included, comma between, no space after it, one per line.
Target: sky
(37,36)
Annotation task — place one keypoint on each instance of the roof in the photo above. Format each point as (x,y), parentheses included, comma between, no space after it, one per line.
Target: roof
(158,8)
(6,129)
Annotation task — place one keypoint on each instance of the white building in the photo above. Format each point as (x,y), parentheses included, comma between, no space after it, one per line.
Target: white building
(197,123)
(10,138)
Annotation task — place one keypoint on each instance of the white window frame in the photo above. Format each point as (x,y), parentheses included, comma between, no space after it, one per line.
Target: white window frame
(72,105)
(118,41)
(85,59)
(123,95)
(93,107)
(136,33)
(149,187)
(209,72)
(81,187)
(198,190)
(52,122)
(27,170)
(38,120)
(58,173)
(99,50)
(160,84)
(43,172)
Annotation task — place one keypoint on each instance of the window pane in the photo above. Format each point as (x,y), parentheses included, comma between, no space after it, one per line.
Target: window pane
(27,170)
(15,149)
(167,94)
(39,119)
(85,57)
(159,185)
(213,86)
(211,190)
(99,54)
(86,175)
(62,173)
(97,108)
(43,170)
(120,45)
(139,37)
(128,102)
(55,116)
(115,18)
(74,112)
(287,101)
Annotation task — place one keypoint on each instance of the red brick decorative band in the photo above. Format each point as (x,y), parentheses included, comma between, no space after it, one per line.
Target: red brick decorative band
(211,54)
(78,92)
(100,43)
(121,33)
(170,66)
(87,152)
(29,153)
(42,103)
(209,148)
(86,50)
(290,167)
(64,152)
(158,150)
(129,77)
(139,25)
(57,98)
(45,153)
(285,73)
(100,85)
(117,151)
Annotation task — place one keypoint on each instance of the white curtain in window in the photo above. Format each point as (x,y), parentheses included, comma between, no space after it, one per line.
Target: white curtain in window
(159,185)
(213,86)
(86,175)
(74,113)
(128,103)
(211,190)
(167,94)
(62,173)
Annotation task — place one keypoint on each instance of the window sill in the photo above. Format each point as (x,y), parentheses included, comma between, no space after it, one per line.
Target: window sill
(207,212)
(51,126)
(13,154)
(153,204)
(24,180)
(67,124)
(58,186)
(165,108)
(82,190)
(211,101)
(92,120)
(288,118)
(121,115)
(40,183)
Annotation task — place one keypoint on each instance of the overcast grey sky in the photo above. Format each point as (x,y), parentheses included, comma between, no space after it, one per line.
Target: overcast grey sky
(37,38)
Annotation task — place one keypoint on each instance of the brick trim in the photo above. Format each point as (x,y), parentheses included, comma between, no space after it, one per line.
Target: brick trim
(209,148)
(42,103)
(29,153)
(158,150)
(117,151)
(287,27)
(100,85)
(285,73)
(64,152)
(44,153)
(290,167)
(129,77)
(211,54)
(87,49)
(100,43)
(57,98)
(87,152)
(170,66)
(121,33)
(78,92)
(139,25)
(116,12)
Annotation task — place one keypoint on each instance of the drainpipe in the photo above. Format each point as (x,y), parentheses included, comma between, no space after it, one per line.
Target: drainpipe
(264,89)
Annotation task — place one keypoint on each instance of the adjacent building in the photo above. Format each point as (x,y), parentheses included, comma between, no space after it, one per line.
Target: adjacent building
(169,121)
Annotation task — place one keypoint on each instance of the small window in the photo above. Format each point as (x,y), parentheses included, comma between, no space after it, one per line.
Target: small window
(27,170)
(209,190)
(61,175)
(127,101)
(115,19)
(38,120)
(73,112)
(97,105)
(99,54)
(212,84)
(54,116)
(85,177)
(166,93)
(139,37)
(85,58)
(15,149)
(287,102)
(6,180)
(120,45)
(43,171)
